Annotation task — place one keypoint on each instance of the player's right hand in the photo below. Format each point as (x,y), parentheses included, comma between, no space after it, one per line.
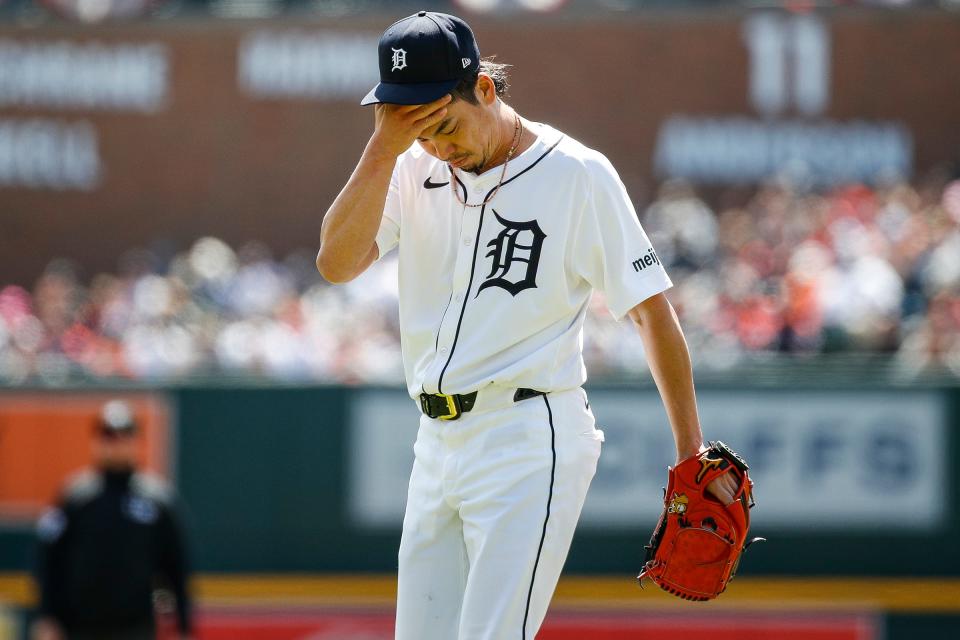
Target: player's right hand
(724,488)
(397,126)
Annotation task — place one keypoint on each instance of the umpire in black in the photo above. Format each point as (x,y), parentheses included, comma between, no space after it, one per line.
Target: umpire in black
(111,541)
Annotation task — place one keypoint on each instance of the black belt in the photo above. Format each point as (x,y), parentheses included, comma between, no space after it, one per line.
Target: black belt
(450,407)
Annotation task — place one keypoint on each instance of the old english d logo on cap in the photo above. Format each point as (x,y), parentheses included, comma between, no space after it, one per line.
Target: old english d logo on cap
(422,58)
(399,60)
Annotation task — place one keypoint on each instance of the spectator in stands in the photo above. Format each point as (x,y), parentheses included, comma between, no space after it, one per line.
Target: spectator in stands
(854,269)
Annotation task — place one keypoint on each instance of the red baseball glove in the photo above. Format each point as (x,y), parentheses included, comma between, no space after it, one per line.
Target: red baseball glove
(696,547)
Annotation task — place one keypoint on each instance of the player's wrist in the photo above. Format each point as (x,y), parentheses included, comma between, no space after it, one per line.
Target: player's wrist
(382,151)
(689,450)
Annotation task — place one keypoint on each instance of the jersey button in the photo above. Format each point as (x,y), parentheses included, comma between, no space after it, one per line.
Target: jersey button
(478,189)
(467,241)
(443,349)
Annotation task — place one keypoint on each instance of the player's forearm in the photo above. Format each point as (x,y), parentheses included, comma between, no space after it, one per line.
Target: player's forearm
(350,225)
(669,361)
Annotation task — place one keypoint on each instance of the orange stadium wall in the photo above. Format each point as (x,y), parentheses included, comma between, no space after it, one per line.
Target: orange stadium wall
(45,439)
(155,133)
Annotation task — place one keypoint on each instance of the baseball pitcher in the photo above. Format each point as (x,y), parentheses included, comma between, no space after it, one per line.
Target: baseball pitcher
(505,227)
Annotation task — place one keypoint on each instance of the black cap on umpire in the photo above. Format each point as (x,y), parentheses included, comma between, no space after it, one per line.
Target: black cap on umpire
(422,58)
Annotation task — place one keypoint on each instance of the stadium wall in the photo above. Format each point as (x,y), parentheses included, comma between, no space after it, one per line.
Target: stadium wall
(311,479)
(164,131)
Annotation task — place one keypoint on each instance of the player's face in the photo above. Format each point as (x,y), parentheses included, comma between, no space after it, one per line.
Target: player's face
(117,452)
(467,138)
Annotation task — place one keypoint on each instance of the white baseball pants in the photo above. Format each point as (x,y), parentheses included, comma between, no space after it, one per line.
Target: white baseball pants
(493,502)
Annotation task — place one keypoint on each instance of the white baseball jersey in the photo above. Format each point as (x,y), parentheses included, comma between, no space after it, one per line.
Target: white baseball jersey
(497,294)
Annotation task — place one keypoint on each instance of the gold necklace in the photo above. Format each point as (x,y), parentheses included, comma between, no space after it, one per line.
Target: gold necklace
(517,134)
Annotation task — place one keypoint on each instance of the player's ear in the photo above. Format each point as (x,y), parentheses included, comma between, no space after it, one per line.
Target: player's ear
(485,90)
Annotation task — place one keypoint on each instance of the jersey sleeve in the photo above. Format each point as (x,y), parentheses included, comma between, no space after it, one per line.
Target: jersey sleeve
(611,250)
(388,235)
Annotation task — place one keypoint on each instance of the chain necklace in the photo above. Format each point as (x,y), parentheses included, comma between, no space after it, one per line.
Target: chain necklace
(517,135)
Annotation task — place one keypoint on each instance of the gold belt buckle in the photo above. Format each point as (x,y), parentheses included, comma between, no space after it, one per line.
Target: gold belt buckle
(453,407)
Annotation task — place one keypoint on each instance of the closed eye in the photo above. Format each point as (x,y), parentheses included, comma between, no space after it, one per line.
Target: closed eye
(446,128)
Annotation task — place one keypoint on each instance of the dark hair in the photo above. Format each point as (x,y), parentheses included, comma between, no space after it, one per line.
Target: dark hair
(497,72)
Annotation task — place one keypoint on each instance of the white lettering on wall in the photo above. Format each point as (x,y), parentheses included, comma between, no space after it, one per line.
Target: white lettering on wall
(743,150)
(789,63)
(296,64)
(69,75)
(49,154)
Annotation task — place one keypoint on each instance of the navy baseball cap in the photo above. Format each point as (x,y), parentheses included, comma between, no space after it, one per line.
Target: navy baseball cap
(422,58)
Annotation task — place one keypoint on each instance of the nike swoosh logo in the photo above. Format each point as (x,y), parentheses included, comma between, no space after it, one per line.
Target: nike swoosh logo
(434,185)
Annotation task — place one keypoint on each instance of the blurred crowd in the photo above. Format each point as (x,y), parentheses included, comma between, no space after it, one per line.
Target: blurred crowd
(85,11)
(856,269)
(852,270)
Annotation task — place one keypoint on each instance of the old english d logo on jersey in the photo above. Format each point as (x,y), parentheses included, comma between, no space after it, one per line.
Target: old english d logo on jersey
(516,256)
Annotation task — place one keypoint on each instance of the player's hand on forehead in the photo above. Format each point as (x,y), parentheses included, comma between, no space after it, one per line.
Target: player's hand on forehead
(425,108)
(397,126)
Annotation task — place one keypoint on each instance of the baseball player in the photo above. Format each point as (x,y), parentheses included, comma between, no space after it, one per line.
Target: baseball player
(505,227)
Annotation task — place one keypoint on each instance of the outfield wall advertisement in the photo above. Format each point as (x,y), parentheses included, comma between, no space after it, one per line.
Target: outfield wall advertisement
(828,461)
